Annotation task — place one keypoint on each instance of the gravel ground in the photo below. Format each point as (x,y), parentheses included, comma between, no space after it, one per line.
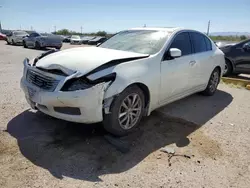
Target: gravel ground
(210,136)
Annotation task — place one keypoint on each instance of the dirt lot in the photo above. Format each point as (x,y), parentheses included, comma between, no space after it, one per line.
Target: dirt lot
(210,135)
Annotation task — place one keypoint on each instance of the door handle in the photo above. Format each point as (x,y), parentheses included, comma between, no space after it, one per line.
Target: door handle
(192,63)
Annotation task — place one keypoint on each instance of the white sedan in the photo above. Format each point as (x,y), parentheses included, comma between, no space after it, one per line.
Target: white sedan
(127,77)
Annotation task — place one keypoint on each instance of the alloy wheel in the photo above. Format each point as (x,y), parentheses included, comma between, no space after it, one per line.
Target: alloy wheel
(214,81)
(130,111)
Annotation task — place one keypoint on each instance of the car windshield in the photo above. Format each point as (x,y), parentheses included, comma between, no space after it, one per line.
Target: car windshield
(139,41)
(75,37)
(21,33)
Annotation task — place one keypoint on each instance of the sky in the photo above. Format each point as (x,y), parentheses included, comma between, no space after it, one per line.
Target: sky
(115,15)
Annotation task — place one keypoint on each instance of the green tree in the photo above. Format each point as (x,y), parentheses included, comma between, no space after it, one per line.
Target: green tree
(63,32)
(243,37)
(101,33)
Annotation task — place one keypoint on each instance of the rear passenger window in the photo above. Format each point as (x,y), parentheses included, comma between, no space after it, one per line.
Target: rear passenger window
(198,42)
(208,44)
(182,42)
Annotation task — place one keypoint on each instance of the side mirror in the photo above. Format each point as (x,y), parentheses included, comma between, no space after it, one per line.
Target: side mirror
(175,52)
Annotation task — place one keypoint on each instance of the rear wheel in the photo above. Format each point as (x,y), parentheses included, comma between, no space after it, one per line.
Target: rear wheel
(126,112)
(213,82)
(228,68)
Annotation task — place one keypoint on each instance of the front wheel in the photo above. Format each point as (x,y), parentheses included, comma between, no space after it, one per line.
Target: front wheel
(37,46)
(213,82)
(126,112)
(228,68)
(24,44)
(13,42)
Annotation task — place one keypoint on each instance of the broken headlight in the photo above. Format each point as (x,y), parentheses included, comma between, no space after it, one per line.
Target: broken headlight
(76,84)
(84,83)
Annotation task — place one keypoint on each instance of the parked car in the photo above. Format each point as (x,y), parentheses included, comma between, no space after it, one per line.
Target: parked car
(2,36)
(126,77)
(38,41)
(86,39)
(75,39)
(96,40)
(67,39)
(16,37)
(237,58)
(224,43)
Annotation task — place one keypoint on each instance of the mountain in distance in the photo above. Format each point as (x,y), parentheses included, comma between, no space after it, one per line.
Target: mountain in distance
(229,33)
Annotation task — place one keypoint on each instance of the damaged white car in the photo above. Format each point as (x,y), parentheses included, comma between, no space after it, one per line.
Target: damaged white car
(123,79)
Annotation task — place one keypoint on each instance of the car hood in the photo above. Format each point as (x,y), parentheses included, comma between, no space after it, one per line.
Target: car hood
(84,59)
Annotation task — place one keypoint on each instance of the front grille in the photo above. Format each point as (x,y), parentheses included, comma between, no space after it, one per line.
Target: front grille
(41,81)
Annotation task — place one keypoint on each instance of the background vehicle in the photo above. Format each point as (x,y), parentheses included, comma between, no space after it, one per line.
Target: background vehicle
(125,78)
(237,58)
(75,39)
(38,41)
(86,39)
(66,39)
(97,40)
(224,43)
(16,37)
(2,36)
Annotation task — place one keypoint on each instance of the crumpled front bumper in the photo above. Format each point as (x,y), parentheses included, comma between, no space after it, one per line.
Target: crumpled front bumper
(89,102)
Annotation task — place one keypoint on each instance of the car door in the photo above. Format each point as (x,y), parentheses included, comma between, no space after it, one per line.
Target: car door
(242,57)
(175,72)
(32,39)
(203,57)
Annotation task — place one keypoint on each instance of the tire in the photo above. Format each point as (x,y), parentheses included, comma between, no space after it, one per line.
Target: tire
(24,44)
(58,48)
(37,46)
(213,82)
(7,42)
(13,42)
(115,125)
(228,68)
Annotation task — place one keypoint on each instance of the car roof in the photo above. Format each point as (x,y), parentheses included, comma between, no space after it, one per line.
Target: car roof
(168,29)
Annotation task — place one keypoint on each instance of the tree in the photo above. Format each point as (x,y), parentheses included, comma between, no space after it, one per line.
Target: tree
(63,32)
(243,37)
(101,33)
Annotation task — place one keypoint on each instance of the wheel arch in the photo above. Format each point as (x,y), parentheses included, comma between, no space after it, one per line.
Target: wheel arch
(109,99)
(231,62)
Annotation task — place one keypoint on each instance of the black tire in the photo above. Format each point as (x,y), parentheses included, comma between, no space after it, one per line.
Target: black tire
(228,68)
(13,43)
(37,46)
(7,42)
(111,121)
(58,48)
(24,44)
(212,84)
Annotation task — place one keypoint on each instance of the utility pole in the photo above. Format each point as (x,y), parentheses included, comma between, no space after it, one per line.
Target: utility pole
(208,27)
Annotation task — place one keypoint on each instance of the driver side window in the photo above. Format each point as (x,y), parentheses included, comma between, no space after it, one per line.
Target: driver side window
(182,42)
